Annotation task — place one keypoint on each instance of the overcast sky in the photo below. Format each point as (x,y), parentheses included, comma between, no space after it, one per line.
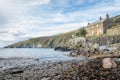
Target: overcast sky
(24,19)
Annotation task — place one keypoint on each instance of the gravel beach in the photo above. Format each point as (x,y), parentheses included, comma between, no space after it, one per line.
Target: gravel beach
(63,70)
(32,69)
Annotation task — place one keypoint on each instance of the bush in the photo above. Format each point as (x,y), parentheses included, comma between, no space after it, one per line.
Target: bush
(82,32)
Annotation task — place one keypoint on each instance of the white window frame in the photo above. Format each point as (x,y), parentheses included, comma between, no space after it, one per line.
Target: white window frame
(97,25)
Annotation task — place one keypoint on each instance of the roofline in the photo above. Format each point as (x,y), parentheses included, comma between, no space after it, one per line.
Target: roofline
(94,23)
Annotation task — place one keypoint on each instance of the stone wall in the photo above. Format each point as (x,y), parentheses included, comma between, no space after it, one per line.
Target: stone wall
(113,31)
(107,23)
(104,40)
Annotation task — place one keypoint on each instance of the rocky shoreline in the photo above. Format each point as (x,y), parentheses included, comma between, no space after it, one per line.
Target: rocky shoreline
(36,71)
(92,67)
(89,69)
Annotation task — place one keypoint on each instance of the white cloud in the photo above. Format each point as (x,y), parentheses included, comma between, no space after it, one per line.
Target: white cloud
(17,8)
(79,1)
(38,2)
(52,30)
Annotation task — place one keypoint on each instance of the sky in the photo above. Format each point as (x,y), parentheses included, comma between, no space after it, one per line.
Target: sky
(24,19)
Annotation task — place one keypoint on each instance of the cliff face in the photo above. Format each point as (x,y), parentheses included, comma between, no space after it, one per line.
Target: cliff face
(63,39)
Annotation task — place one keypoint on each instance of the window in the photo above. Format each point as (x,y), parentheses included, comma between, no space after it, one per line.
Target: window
(97,25)
(100,31)
(92,32)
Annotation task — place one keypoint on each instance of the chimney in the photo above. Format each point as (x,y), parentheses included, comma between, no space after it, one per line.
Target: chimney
(107,16)
(88,23)
(100,18)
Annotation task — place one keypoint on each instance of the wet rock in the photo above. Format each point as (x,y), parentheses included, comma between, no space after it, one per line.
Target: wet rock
(109,63)
(62,49)
(16,70)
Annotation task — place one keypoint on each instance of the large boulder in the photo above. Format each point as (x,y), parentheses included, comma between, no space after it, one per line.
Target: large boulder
(109,63)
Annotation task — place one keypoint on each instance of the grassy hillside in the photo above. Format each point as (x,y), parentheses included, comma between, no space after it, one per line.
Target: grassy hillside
(59,39)
(49,41)
(115,28)
(115,21)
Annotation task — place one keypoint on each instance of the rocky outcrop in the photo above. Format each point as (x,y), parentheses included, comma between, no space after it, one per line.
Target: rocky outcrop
(63,49)
(90,50)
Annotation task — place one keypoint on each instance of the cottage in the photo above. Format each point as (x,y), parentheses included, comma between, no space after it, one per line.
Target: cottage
(99,27)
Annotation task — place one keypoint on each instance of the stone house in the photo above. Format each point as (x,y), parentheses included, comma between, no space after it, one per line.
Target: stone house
(99,27)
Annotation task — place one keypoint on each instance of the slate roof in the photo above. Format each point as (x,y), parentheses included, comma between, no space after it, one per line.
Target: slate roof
(94,23)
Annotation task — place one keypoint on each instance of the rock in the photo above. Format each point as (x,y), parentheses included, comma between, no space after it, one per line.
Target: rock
(45,78)
(109,63)
(118,48)
(62,49)
(96,46)
(15,70)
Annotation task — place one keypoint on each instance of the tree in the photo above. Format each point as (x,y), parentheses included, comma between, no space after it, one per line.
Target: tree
(82,32)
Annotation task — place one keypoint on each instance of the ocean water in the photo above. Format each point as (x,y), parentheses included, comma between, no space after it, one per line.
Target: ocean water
(41,53)
(14,57)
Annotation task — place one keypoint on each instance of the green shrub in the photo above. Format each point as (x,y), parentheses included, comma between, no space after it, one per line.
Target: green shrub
(82,32)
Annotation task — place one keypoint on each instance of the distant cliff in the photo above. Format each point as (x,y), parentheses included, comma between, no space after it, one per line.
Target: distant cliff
(63,39)
(45,42)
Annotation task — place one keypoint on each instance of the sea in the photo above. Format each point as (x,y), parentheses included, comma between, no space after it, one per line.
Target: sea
(40,53)
(14,57)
